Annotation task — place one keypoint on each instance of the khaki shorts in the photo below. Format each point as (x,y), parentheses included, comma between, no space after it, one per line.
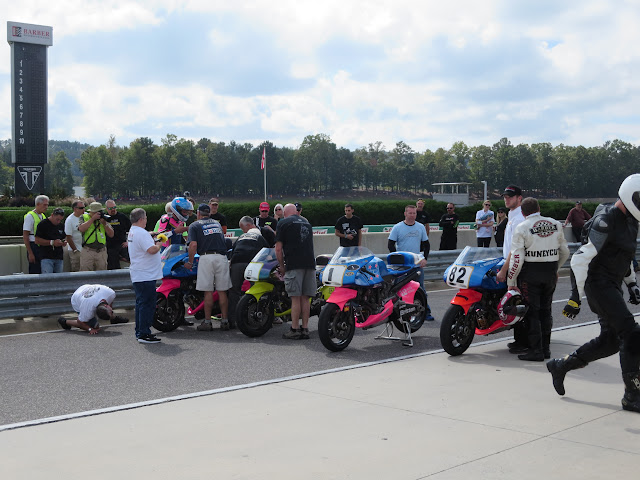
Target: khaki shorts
(213,273)
(300,282)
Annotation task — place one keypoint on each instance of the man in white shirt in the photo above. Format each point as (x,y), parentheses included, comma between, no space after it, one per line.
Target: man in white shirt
(92,302)
(74,236)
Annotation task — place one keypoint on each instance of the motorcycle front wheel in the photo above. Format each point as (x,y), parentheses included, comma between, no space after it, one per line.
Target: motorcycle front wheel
(252,316)
(169,312)
(335,327)
(457,331)
(416,321)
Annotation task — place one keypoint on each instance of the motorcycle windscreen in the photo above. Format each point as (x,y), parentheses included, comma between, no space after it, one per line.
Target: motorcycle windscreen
(260,267)
(470,270)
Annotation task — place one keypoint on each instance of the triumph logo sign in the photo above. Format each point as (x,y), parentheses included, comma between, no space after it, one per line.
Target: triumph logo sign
(29,175)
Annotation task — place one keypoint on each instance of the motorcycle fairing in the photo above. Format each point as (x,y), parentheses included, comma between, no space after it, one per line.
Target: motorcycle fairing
(496,326)
(340,296)
(168,285)
(465,298)
(260,288)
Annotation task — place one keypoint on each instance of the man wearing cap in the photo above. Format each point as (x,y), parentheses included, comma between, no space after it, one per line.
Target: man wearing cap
(267,224)
(512,199)
(95,229)
(214,203)
(577,218)
(51,239)
(207,240)
(29,227)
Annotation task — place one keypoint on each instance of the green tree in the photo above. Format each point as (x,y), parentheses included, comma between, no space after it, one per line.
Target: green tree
(58,177)
(99,171)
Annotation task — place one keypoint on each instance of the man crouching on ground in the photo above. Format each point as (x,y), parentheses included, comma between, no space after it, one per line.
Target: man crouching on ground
(91,301)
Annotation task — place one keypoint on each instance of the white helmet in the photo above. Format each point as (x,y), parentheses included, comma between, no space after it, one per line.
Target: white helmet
(511,307)
(629,193)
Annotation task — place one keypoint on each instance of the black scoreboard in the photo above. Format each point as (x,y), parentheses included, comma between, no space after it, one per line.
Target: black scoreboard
(29,105)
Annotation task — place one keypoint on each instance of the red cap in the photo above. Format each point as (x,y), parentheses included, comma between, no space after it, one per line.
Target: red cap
(264,206)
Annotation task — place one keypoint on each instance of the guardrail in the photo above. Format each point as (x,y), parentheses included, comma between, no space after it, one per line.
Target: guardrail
(23,295)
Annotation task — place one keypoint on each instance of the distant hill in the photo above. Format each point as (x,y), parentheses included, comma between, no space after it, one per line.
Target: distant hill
(73,150)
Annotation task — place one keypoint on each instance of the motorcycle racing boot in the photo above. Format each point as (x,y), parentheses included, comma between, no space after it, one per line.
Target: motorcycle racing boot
(631,399)
(558,368)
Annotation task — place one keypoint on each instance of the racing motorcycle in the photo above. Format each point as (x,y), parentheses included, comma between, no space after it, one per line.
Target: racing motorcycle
(370,292)
(179,287)
(481,306)
(267,299)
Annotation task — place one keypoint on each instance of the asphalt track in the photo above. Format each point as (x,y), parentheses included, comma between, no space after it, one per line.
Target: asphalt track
(48,372)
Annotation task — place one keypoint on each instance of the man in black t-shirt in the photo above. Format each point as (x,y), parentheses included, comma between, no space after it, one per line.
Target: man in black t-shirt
(51,239)
(117,246)
(348,228)
(422,216)
(207,240)
(267,224)
(294,249)
(449,224)
(216,215)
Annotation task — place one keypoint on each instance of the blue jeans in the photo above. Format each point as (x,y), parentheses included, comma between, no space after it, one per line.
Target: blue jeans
(145,306)
(34,267)
(48,265)
(421,282)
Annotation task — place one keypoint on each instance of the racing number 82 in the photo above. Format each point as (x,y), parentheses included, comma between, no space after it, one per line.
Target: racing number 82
(455,270)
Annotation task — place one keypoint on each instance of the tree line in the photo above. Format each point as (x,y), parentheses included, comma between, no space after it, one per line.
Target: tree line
(318,167)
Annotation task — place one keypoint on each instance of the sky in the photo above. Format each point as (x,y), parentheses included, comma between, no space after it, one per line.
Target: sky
(428,73)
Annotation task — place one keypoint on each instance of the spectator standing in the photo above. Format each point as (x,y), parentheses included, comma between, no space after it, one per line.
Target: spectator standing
(74,236)
(512,199)
(598,269)
(246,247)
(267,224)
(214,203)
(51,240)
(501,225)
(294,250)
(95,229)
(89,302)
(117,246)
(411,236)
(538,249)
(348,228)
(29,227)
(207,240)
(449,224)
(422,216)
(484,225)
(577,217)
(146,268)
(278,212)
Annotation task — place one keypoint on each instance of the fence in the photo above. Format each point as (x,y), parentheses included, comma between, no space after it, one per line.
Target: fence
(50,294)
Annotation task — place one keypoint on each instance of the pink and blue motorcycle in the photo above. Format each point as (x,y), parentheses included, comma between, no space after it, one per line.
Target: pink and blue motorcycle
(369,292)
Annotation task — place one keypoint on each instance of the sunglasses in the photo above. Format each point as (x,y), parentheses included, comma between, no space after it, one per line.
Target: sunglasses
(80,208)
(449,208)
(487,204)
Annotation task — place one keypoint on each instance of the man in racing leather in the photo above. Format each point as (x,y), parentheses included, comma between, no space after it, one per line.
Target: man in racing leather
(598,269)
(538,250)
(178,212)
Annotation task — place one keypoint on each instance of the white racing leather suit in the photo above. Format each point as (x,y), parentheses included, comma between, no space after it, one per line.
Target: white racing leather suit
(538,250)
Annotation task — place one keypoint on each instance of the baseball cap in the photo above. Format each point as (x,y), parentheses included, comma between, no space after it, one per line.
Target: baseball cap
(578,202)
(264,206)
(58,211)
(512,191)
(298,206)
(204,208)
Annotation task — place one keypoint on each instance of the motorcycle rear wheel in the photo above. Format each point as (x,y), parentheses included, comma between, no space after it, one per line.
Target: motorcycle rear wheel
(417,320)
(335,327)
(169,312)
(457,331)
(252,316)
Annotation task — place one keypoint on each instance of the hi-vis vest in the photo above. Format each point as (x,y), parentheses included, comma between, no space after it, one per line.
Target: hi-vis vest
(93,234)
(36,219)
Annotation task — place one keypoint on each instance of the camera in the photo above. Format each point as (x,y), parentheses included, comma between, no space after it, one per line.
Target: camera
(104,215)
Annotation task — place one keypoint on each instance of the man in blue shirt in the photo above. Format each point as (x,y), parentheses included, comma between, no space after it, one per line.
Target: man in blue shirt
(411,236)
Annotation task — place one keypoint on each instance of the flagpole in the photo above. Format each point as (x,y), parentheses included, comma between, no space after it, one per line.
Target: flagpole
(264,169)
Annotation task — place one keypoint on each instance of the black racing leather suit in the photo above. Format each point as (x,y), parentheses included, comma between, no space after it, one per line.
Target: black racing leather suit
(599,268)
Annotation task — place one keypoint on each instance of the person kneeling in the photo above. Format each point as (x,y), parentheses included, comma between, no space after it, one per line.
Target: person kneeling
(92,302)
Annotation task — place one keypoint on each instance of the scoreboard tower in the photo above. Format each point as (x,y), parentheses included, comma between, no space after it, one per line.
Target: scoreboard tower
(29,139)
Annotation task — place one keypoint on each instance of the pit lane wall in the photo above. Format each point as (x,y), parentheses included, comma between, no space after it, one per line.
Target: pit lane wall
(13,258)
